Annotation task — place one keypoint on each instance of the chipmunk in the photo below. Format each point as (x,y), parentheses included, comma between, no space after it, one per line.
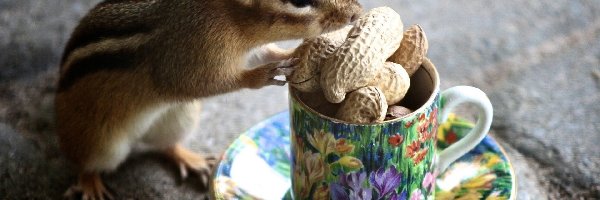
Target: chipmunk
(134,71)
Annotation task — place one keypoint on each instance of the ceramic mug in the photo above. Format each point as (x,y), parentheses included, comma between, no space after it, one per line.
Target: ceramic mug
(395,159)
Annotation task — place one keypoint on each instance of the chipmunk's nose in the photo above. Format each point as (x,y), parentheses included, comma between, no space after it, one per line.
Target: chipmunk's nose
(354,17)
(357,11)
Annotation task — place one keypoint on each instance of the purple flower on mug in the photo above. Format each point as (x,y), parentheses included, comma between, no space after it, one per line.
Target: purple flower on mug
(416,195)
(385,181)
(428,181)
(351,187)
(338,192)
(401,196)
(362,194)
(353,180)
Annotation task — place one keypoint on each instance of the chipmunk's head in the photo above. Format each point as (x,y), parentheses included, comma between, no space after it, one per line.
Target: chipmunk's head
(292,19)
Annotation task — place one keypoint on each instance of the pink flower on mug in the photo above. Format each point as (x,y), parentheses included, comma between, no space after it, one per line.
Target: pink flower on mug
(416,195)
(428,181)
(322,141)
(385,181)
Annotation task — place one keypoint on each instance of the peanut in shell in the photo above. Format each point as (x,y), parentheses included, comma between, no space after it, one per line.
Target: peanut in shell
(413,49)
(362,106)
(393,80)
(374,38)
(312,52)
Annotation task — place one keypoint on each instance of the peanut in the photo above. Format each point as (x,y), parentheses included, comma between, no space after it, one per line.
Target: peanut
(395,112)
(312,52)
(393,80)
(357,61)
(365,105)
(413,49)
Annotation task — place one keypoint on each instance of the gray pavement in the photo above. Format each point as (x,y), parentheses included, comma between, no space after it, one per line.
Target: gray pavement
(538,61)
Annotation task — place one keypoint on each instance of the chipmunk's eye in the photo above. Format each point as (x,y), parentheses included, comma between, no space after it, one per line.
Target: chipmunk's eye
(301,3)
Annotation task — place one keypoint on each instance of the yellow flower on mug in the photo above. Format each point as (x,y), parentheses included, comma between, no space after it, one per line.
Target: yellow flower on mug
(301,183)
(225,187)
(483,181)
(489,159)
(315,167)
(495,196)
(321,193)
(351,162)
(322,141)
(444,195)
(342,147)
(470,195)
(299,156)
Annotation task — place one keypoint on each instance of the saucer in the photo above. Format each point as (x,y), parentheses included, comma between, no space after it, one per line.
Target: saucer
(257,165)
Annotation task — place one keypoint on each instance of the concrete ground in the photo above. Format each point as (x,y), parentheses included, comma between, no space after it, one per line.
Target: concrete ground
(538,61)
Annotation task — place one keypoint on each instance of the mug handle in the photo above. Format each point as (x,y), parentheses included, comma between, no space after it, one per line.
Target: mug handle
(453,97)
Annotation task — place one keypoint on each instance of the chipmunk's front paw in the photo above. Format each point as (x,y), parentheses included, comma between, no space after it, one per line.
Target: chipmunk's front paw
(276,53)
(265,75)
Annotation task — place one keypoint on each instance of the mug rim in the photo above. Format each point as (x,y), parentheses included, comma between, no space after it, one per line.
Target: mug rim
(428,67)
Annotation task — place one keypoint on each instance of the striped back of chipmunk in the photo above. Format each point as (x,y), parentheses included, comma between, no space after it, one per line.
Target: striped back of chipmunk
(107,38)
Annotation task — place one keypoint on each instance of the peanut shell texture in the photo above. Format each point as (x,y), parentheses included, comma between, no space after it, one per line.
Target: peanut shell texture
(312,52)
(393,80)
(373,39)
(413,49)
(365,105)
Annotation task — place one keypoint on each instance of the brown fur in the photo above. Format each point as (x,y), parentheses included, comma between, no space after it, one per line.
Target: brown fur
(128,56)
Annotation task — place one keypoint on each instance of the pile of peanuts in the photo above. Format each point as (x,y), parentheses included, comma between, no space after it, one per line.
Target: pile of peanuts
(359,73)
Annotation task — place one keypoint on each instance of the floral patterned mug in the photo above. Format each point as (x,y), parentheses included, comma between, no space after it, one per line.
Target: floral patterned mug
(395,159)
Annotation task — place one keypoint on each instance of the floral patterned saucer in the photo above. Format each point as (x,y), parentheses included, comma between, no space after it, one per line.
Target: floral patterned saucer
(257,165)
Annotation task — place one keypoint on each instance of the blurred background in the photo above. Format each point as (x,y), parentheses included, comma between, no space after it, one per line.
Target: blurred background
(538,61)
